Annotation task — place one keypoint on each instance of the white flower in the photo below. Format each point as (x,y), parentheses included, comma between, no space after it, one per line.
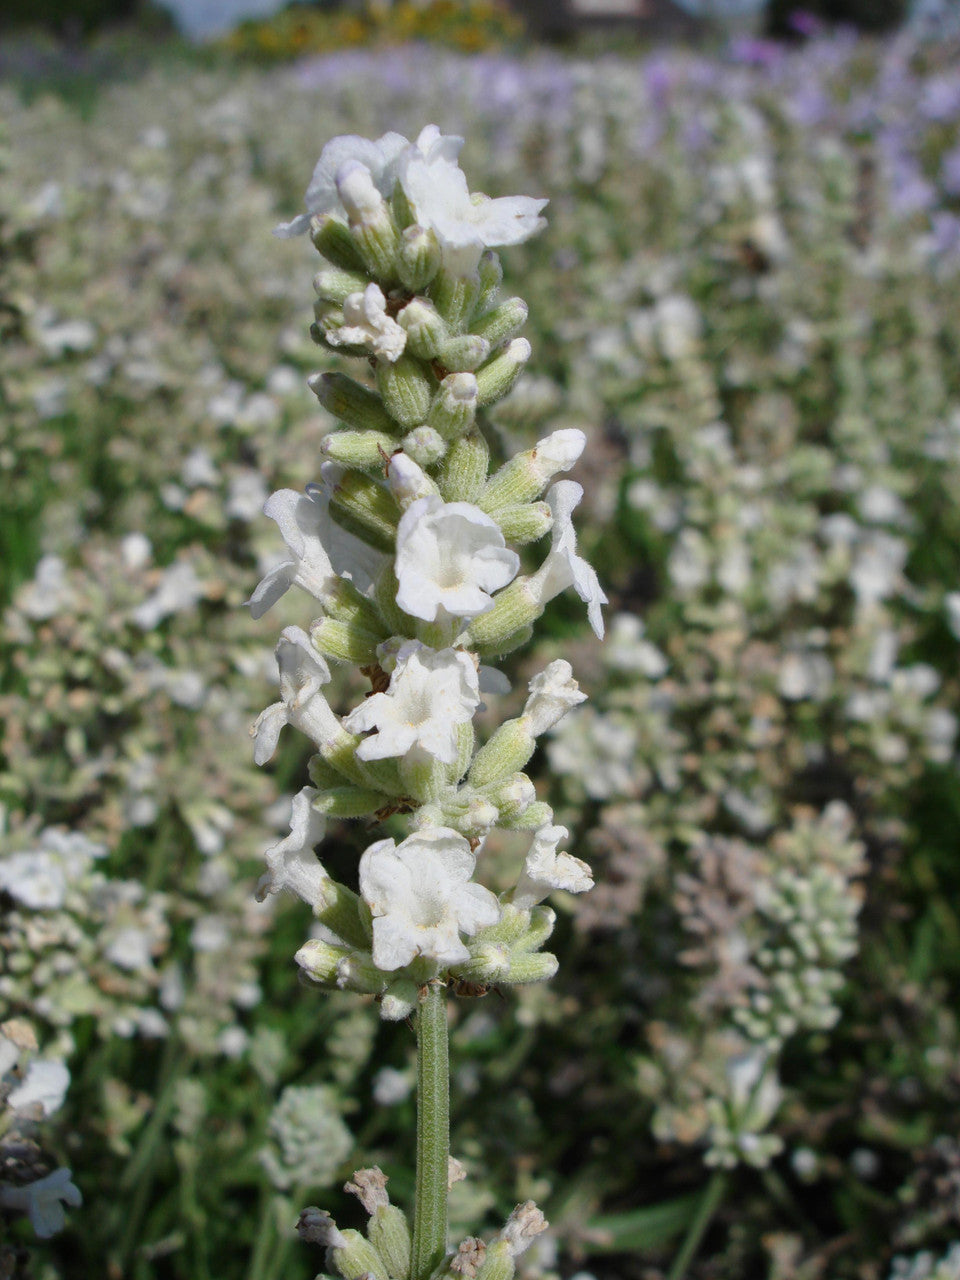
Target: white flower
(465,224)
(450,555)
(179,589)
(431,692)
(563,567)
(379,158)
(41,1201)
(545,869)
(552,693)
(291,863)
(304,521)
(38,878)
(43,1089)
(366,324)
(302,672)
(422,898)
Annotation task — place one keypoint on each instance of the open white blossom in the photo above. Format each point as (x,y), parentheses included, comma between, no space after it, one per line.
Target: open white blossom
(422,898)
(43,1201)
(43,1090)
(465,224)
(563,567)
(431,691)
(379,158)
(291,862)
(450,556)
(302,672)
(366,324)
(546,869)
(552,693)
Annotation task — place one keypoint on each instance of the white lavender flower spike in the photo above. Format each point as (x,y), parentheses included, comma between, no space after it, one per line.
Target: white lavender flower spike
(410,549)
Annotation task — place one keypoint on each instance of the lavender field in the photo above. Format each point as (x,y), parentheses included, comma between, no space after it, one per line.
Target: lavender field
(746,298)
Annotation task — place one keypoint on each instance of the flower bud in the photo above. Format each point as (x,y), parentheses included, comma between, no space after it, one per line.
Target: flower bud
(424,445)
(400,1001)
(390,1235)
(524,522)
(454,406)
(498,1263)
(490,272)
(357,1258)
(508,750)
(365,508)
(472,815)
(319,960)
(327,331)
(334,284)
(348,802)
(372,226)
(463,354)
(357,972)
(513,611)
(407,480)
(538,966)
(424,778)
(362,449)
(333,239)
(540,922)
(385,593)
(406,389)
(455,297)
(514,923)
(512,797)
(464,468)
(502,322)
(489,962)
(497,376)
(353,404)
(539,814)
(526,476)
(425,328)
(419,258)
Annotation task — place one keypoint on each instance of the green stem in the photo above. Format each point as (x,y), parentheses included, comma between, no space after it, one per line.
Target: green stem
(698,1226)
(433,1134)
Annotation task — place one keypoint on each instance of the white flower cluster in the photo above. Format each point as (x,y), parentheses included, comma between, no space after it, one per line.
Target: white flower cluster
(409,545)
(31,1090)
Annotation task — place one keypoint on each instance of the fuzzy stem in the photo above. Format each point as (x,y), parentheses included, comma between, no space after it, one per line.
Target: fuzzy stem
(698,1226)
(433,1134)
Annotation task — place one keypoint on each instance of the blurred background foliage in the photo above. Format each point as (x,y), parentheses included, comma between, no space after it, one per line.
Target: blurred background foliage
(747,298)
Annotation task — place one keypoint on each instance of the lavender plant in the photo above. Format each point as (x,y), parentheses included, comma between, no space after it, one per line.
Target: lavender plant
(409,543)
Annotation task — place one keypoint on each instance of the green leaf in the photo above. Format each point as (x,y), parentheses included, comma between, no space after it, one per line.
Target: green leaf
(640,1228)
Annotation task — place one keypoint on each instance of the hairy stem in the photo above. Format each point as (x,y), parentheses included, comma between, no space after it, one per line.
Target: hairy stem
(433,1134)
